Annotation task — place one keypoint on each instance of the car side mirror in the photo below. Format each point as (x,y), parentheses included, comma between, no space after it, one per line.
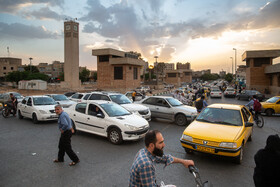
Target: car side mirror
(29,104)
(248,124)
(100,116)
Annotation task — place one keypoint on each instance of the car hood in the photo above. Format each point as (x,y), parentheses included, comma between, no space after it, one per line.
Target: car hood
(133,119)
(44,107)
(186,108)
(213,132)
(264,104)
(132,107)
(66,102)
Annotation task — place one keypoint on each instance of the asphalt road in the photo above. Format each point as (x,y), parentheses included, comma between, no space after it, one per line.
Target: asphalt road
(27,151)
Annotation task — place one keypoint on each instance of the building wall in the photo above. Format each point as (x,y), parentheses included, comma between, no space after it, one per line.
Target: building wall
(173,80)
(8,64)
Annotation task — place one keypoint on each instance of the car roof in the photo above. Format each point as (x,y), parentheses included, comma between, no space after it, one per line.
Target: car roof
(163,97)
(107,93)
(99,102)
(38,96)
(226,106)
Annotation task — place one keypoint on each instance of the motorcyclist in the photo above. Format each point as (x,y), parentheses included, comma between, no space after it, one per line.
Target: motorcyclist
(251,105)
(14,103)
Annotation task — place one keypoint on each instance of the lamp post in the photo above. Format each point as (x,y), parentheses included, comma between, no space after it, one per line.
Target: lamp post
(30,64)
(235,61)
(231,66)
(156,65)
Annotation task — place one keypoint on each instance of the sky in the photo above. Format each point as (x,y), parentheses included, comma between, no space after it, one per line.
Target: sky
(202,32)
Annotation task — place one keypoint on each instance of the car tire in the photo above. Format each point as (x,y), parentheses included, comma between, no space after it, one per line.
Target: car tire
(115,136)
(19,115)
(34,118)
(269,112)
(180,120)
(188,151)
(74,127)
(239,158)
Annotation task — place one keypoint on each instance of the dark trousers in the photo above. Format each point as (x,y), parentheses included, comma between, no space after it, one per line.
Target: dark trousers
(65,146)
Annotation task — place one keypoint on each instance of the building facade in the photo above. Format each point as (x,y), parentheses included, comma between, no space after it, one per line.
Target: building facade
(177,77)
(180,65)
(52,70)
(8,64)
(118,70)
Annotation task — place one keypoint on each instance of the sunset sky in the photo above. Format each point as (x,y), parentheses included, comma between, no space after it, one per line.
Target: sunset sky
(202,32)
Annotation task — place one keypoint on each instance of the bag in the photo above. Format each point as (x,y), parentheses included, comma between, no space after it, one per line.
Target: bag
(199,104)
(257,105)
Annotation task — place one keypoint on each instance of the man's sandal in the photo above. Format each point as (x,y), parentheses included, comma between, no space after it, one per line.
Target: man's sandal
(73,163)
(56,161)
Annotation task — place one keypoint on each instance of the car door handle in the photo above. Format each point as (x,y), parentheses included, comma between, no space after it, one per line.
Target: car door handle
(157,108)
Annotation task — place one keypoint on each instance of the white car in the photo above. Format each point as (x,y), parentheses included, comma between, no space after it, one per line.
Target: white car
(139,96)
(124,101)
(229,92)
(113,121)
(38,108)
(62,100)
(166,107)
(79,97)
(216,92)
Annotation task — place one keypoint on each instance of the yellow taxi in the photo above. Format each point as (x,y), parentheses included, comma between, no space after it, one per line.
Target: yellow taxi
(220,129)
(271,106)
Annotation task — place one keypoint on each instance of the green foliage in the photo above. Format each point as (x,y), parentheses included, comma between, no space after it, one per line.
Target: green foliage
(84,75)
(229,77)
(61,76)
(34,69)
(207,77)
(95,76)
(17,76)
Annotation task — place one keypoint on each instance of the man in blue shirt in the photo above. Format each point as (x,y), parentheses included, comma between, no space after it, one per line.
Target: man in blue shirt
(65,127)
(142,172)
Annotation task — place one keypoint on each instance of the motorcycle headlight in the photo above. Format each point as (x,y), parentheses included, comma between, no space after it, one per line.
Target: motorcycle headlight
(42,111)
(131,127)
(228,145)
(186,137)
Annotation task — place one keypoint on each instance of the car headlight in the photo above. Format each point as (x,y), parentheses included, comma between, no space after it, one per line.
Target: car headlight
(186,137)
(228,145)
(131,127)
(42,111)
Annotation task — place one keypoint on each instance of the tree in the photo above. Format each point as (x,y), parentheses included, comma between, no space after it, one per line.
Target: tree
(61,76)
(84,75)
(34,69)
(94,76)
(208,76)
(229,77)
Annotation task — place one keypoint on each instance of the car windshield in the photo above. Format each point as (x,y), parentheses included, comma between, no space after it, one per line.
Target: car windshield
(17,95)
(114,110)
(120,99)
(230,89)
(43,101)
(174,102)
(215,90)
(60,98)
(273,99)
(220,116)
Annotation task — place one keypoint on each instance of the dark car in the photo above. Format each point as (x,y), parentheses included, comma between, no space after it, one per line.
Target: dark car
(248,94)
(4,97)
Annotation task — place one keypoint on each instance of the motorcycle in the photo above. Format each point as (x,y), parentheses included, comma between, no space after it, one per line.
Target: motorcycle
(7,109)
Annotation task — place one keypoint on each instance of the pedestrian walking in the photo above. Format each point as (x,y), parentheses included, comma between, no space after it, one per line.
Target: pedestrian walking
(65,127)
(133,95)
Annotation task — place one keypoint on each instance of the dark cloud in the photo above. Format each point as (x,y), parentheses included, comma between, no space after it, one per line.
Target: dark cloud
(19,30)
(44,13)
(12,6)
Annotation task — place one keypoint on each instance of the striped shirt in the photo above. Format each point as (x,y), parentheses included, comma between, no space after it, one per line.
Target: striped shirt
(142,172)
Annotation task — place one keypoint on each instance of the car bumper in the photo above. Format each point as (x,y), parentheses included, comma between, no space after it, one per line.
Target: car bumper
(47,117)
(211,150)
(135,135)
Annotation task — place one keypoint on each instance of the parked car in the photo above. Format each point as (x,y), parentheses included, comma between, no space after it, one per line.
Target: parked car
(229,92)
(124,101)
(113,121)
(38,108)
(79,97)
(69,94)
(220,129)
(139,96)
(166,107)
(215,92)
(62,100)
(248,94)
(143,89)
(4,97)
(271,106)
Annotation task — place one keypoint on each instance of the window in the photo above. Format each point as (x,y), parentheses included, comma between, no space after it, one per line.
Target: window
(150,101)
(118,73)
(171,74)
(86,96)
(135,74)
(99,97)
(81,107)
(92,110)
(103,58)
(23,101)
(4,68)
(259,61)
(161,102)
(29,102)
(12,68)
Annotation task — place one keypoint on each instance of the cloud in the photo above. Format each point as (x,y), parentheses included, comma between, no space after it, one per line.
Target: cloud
(25,31)
(44,13)
(12,6)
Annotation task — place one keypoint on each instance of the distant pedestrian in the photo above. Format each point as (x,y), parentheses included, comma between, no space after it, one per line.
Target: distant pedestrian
(200,103)
(133,95)
(65,127)
(267,161)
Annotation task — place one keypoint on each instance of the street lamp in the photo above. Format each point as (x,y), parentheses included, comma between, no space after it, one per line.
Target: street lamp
(156,65)
(235,61)
(30,64)
(231,66)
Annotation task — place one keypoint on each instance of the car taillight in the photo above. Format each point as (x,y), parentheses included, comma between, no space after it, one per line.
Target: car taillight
(220,93)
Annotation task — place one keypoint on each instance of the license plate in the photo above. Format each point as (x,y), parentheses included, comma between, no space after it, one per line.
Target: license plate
(205,149)
(53,116)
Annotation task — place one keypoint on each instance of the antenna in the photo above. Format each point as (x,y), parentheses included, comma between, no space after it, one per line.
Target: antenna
(8,51)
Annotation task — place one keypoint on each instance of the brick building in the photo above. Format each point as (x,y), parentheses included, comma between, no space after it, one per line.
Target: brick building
(8,64)
(52,70)
(118,70)
(177,77)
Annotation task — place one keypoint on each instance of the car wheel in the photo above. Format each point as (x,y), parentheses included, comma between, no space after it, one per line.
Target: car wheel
(180,119)
(19,115)
(239,158)
(34,118)
(269,112)
(74,127)
(115,136)
(188,151)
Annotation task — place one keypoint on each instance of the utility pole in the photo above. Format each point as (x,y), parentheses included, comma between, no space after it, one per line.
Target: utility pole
(235,61)
(156,65)
(30,64)
(231,66)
